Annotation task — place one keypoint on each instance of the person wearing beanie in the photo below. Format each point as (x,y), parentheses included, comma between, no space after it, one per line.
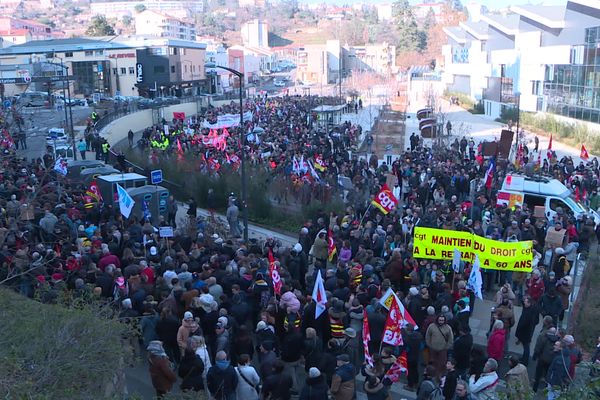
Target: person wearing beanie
(315,387)
(343,381)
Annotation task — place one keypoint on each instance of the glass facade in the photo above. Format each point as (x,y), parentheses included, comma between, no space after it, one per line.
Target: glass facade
(91,77)
(573,90)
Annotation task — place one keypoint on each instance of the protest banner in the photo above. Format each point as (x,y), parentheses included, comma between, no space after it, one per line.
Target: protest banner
(439,244)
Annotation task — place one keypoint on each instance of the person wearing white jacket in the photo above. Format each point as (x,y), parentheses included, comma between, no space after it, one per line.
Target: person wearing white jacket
(248,379)
(199,344)
(484,388)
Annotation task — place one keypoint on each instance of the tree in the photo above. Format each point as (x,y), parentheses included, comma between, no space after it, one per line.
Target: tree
(126,20)
(139,8)
(406,26)
(99,26)
(57,352)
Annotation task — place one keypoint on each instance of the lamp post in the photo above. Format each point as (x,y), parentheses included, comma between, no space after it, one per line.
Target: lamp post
(518,96)
(240,76)
(67,103)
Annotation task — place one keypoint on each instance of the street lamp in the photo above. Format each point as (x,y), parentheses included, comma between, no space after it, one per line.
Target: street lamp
(518,96)
(240,76)
(67,102)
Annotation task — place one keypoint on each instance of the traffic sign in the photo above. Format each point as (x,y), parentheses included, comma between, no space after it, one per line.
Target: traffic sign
(156,176)
(7,103)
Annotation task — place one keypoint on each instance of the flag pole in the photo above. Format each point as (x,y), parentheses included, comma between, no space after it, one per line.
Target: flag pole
(365,214)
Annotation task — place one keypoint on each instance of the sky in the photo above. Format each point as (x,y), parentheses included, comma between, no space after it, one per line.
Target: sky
(490,4)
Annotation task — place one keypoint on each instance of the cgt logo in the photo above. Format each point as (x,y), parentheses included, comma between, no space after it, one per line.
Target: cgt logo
(139,73)
(420,236)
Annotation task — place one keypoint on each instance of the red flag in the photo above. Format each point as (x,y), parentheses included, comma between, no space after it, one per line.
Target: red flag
(400,366)
(179,149)
(406,317)
(274,272)
(385,200)
(549,152)
(179,115)
(93,192)
(391,331)
(331,249)
(366,334)
(584,155)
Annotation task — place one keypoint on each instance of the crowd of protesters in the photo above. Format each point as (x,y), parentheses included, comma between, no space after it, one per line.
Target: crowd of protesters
(209,317)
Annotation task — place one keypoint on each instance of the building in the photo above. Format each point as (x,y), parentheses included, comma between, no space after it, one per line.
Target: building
(219,79)
(159,24)
(320,64)
(255,33)
(18,31)
(384,12)
(119,9)
(252,3)
(545,58)
(378,58)
(423,9)
(116,66)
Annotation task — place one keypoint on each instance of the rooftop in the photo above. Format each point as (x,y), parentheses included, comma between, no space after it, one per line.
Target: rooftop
(479,30)
(60,45)
(456,33)
(550,16)
(507,24)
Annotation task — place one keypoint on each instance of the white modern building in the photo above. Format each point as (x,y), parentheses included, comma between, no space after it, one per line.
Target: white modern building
(255,33)
(159,24)
(546,58)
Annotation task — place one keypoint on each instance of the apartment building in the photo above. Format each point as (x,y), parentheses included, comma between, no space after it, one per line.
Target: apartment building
(119,66)
(544,57)
(320,63)
(159,24)
(119,9)
(378,58)
(255,33)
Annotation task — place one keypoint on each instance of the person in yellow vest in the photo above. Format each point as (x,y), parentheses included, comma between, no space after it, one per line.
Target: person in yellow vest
(336,320)
(105,147)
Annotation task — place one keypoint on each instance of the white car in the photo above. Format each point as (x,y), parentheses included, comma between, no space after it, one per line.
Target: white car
(56,135)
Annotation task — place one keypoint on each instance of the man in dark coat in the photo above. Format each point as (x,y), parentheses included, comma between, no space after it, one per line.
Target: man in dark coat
(222,380)
(413,340)
(461,350)
(525,327)
(278,385)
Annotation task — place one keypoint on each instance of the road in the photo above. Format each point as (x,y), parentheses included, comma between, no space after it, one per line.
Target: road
(39,120)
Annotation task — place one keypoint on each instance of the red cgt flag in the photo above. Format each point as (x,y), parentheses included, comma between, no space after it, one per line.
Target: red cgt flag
(393,325)
(331,248)
(274,272)
(179,115)
(584,155)
(366,334)
(385,200)
(398,368)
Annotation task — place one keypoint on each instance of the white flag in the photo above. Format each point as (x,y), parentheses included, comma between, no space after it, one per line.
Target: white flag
(319,295)
(456,260)
(126,202)
(60,166)
(475,280)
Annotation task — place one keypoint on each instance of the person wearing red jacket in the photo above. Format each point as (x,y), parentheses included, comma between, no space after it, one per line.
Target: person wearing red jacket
(495,347)
(535,286)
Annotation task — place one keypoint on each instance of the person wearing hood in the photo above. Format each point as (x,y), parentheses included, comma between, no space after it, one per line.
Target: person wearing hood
(517,379)
(277,386)
(343,380)
(375,389)
(484,387)
(543,353)
(161,374)
(191,371)
(557,376)
(187,329)
(316,387)
(222,380)
(551,305)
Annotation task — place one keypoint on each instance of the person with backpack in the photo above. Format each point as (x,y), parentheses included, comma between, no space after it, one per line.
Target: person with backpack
(543,353)
(222,380)
(429,389)
(484,387)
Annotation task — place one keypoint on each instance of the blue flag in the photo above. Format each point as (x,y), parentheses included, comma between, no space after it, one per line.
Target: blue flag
(126,202)
(146,211)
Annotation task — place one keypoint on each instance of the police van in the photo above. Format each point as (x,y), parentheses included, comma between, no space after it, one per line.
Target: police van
(544,193)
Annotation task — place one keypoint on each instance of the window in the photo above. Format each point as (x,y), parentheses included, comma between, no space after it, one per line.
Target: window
(131,70)
(114,71)
(173,51)
(532,201)
(68,54)
(89,53)
(172,69)
(185,68)
(99,52)
(554,203)
(157,51)
(159,69)
(536,87)
(123,70)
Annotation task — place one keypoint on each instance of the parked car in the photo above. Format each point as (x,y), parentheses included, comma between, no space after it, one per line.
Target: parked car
(145,103)
(34,99)
(58,136)
(279,83)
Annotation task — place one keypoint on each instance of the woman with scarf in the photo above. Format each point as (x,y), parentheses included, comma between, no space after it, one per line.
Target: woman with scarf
(161,373)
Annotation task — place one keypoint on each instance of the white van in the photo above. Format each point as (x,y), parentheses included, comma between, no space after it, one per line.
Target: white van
(542,192)
(34,99)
